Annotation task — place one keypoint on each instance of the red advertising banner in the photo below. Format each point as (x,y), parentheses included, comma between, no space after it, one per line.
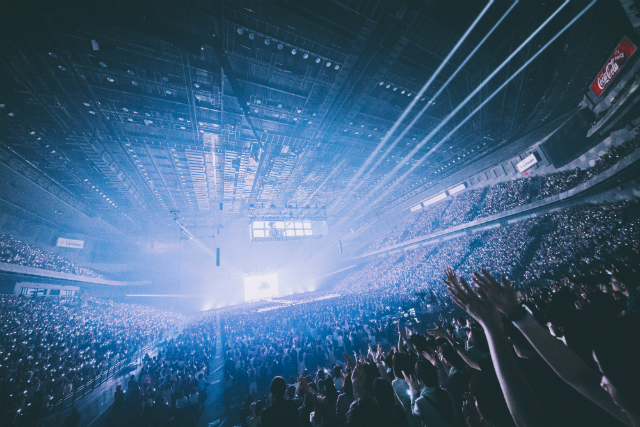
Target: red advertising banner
(614,64)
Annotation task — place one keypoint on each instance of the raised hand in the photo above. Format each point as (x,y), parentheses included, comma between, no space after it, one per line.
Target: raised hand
(379,356)
(430,357)
(400,328)
(503,297)
(470,411)
(358,379)
(438,331)
(474,303)
(350,362)
(409,380)
(303,384)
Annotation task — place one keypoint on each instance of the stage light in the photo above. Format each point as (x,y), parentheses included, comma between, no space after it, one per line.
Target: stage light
(267,42)
(240,31)
(293,51)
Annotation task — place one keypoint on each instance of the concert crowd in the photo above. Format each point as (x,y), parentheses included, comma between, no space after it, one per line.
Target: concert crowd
(401,341)
(50,346)
(497,198)
(395,349)
(14,251)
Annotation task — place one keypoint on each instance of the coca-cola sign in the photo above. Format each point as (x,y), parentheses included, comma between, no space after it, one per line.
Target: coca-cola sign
(622,53)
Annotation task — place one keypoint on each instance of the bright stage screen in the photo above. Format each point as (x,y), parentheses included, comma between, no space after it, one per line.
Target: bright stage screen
(261,287)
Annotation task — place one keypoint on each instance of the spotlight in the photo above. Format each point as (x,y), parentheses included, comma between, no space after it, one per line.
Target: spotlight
(240,31)
(336,67)
(252,36)
(328,64)
(293,51)
(280,47)
(267,42)
(318,60)
(305,56)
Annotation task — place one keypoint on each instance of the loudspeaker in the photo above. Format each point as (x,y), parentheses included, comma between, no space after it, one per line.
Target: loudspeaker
(570,141)
(220,206)
(217,257)
(340,244)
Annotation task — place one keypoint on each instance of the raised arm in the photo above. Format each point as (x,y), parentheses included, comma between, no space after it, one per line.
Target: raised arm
(566,364)
(469,358)
(521,401)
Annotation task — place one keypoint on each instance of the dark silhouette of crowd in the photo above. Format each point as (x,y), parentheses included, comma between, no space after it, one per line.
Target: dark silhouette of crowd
(410,342)
(171,387)
(14,251)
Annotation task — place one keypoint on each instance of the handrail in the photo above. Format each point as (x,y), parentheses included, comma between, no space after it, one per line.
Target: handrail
(68,400)
(103,376)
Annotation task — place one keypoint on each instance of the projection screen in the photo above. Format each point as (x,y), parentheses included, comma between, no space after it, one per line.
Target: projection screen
(261,287)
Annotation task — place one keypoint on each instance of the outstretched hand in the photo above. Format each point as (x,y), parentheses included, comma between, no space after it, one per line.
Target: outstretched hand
(350,362)
(430,357)
(438,331)
(409,380)
(504,297)
(476,303)
(470,411)
(303,384)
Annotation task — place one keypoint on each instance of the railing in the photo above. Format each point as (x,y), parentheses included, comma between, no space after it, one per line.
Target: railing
(92,384)
(53,415)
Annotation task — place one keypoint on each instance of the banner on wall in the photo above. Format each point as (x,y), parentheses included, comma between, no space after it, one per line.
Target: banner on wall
(527,162)
(613,66)
(70,243)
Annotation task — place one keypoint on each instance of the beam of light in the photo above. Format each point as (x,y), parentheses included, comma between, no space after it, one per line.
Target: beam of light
(331,174)
(450,116)
(195,241)
(407,110)
(335,272)
(162,296)
(436,95)
(443,140)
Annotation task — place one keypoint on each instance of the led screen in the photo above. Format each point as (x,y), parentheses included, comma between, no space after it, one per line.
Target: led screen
(261,287)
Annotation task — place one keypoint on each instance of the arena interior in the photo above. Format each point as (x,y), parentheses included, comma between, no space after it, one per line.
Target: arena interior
(319,213)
